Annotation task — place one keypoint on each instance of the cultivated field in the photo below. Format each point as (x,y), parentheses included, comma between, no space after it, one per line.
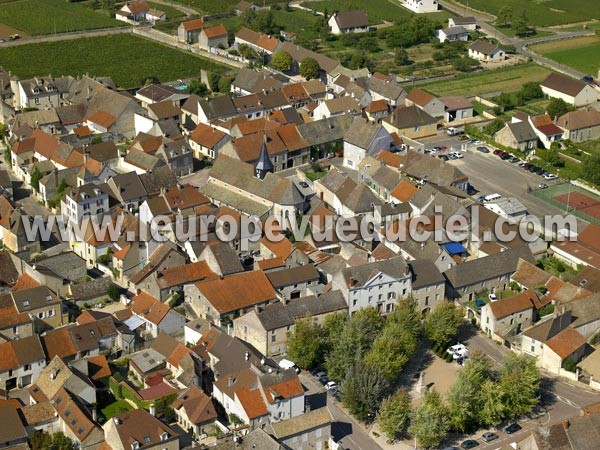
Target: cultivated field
(38,17)
(507,79)
(218,6)
(128,59)
(582,54)
(377,10)
(542,12)
(171,12)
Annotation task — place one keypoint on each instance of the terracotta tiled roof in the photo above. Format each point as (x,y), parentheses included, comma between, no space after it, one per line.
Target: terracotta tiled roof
(149,308)
(184,197)
(8,358)
(25,281)
(206,135)
(272,263)
(294,92)
(565,343)
(377,106)
(102,118)
(287,389)
(213,32)
(186,273)
(404,191)
(232,293)
(99,367)
(179,352)
(59,343)
(82,131)
(193,25)
(281,249)
(419,97)
(511,305)
(252,402)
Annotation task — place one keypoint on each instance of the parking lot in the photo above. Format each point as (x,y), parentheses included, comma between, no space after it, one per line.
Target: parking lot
(489,174)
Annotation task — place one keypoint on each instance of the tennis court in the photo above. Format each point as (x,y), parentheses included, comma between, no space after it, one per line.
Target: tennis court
(577,201)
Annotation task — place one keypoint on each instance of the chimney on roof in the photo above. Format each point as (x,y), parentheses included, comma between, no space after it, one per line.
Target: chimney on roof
(247,356)
(53,373)
(152,409)
(94,414)
(230,381)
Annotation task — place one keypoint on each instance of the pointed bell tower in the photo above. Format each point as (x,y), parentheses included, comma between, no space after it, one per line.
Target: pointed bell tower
(263,165)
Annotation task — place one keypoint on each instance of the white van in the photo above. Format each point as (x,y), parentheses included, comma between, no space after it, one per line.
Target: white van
(287,364)
(491,197)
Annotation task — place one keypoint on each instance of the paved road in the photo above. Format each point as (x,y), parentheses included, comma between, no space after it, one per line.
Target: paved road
(184,9)
(66,36)
(489,174)
(561,398)
(345,430)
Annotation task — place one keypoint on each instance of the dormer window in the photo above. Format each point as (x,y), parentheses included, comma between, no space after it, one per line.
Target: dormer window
(135,445)
(36,90)
(146,439)
(49,88)
(164,436)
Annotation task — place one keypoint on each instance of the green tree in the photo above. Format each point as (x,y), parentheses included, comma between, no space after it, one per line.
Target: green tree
(41,440)
(401,57)
(394,414)
(465,64)
(465,396)
(353,342)
(389,353)
(557,107)
(430,421)
(108,5)
(363,389)
(442,323)
(407,316)
(213,81)
(368,43)
(519,384)
(265,23)
(309,68)
(493,127)
(591,169)
(505,15)
(521,24)
(36,176)
(197,87)
(332,328)
(553,158)
(282,60)
(492,409)
(304,343)
(224,84)
(358,61)
(113,292)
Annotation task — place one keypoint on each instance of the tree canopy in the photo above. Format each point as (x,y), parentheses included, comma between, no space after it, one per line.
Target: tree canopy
(282,60)
(442,323)
(304,343)
(394,414)
(430,421)
(309,68)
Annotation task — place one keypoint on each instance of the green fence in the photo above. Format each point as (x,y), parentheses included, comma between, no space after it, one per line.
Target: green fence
(550,192)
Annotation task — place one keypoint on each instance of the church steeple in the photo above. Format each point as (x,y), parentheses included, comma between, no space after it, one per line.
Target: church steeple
(263,165)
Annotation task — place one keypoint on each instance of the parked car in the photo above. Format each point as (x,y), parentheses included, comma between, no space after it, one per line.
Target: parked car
(532,168)
(542,186)
(588,78)
(489,436)
(526,166)
(483,149)
(497,152)
(287,364)
(513,428)
(469,443)
(331,385)
(539,171)
(480,303)
(492,297)
(504,156)
(443,157)
(455,155)
(323,380)
(513,160)
(317,372)
(550,176)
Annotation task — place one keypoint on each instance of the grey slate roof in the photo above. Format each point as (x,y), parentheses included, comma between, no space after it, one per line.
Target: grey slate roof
(90,289)
(68,266)
(362,133)
(326,130)
(408,117)
(522,131)
(287,277)
(359,200)
(425,273)
(352,19)
(357,276)
(454,31)
(280,314)
(486,268)
(546,330)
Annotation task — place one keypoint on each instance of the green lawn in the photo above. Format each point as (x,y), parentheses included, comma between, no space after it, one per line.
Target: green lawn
(172,13)
(127,58)
(116,408)
(507,79)
(585,58)
(377,10)
(510,32)
(38,17)
(542,12)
